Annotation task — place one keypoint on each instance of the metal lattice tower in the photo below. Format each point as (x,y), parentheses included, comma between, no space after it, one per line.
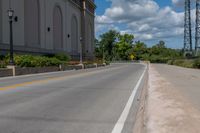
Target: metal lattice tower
(197,36)
(187,29)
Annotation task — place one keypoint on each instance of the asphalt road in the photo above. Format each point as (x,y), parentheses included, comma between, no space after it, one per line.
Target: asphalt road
(186,81)
(86,101)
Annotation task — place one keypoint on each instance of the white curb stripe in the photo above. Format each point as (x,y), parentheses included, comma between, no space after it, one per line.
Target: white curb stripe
(121,121)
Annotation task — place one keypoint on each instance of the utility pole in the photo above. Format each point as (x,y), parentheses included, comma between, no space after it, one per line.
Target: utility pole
(197,35)
(187,30)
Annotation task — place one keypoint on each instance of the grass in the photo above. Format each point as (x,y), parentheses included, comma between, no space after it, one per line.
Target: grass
(188,63)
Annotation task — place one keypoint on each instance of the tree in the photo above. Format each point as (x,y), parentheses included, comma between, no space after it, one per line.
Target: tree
(107,43)
(123,46)
(116,46)
(98,49)
(139,49)
(161,44)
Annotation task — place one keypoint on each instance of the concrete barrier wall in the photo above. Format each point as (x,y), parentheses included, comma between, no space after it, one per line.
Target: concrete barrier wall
(101,65)
(77,67)
(32,70)
(4,72)
(90,66)
(35,70)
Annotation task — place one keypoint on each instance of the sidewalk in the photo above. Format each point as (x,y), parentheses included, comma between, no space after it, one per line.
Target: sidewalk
(168,111)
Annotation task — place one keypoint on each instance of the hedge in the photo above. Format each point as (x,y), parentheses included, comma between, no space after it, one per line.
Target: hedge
(36,61)
(185,63)
(2,64)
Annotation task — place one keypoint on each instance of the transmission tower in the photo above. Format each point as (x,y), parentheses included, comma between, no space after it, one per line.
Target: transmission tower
(197,36)
(187,30)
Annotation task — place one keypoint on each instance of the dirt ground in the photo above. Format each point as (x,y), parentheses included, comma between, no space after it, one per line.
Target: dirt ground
(168,111)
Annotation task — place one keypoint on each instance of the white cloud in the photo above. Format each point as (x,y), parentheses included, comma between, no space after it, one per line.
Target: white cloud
(145,19)
(178,2)
(181,2)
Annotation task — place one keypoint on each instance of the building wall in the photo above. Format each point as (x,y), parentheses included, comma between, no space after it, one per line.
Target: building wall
(90,36)
(32,23)
(44,38)
(74,12)
(18,27)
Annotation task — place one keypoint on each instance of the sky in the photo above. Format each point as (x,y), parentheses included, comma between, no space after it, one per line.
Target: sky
(148,20)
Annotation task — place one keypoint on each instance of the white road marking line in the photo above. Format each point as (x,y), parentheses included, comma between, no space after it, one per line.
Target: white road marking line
(122,119)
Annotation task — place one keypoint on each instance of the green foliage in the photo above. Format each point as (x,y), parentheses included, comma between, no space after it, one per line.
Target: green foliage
(107,62)
(34,61)
(2,64)
(106,45)
(63,57)
(196,63)
(123,47)
(158,59)
(98,49)
(140,50)
(188,63)
(116,46)
(2,57)
(170,62)
(2,61)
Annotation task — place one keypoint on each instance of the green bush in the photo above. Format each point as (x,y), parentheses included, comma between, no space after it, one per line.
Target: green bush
(24,60)
(2,57)
(54,62)
(170,62)
(158,59)
(188,63)
(63,57)
(178,62)
(107,62)
(196,63)
(184,63)
(2,64)
(35,61)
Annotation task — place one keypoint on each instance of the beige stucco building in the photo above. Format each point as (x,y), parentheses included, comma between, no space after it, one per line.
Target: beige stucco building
(49,26)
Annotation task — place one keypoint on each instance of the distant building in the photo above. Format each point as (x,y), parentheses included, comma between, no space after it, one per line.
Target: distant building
(49,26)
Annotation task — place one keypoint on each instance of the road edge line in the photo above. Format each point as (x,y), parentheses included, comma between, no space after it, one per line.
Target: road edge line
(123,117)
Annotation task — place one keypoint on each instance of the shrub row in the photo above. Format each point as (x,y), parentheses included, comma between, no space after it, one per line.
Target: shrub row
(155,58)
(2,64)
(36,61)
(195,63)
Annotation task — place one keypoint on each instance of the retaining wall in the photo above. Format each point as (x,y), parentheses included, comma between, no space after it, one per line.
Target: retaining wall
(5,72)
(34,70)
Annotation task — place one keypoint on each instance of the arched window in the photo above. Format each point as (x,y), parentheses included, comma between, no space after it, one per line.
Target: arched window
(57,28)
(74,38)
(32,22)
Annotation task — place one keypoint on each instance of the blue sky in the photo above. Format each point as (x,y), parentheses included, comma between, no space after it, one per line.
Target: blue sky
(149,20)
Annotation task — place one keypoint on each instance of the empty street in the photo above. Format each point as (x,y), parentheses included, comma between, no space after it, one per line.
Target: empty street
(85,101)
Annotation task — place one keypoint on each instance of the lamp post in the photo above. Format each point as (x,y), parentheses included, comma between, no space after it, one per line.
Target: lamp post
(81,51)
(10,16)
(103,55)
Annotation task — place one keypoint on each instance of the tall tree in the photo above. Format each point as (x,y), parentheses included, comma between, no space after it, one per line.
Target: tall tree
(107,43)
(124,46)
(139,49)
